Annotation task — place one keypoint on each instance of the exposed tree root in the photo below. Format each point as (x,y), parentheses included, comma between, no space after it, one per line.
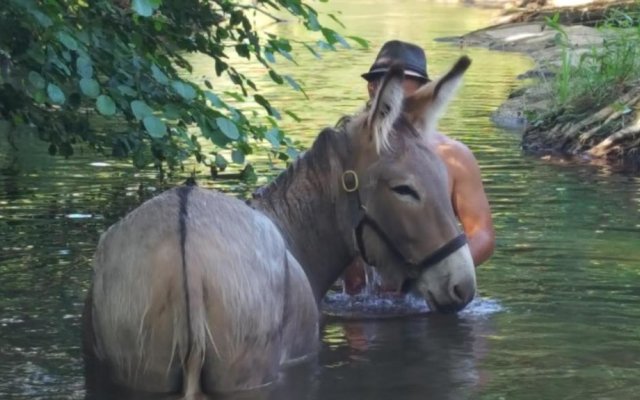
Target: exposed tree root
(612,133)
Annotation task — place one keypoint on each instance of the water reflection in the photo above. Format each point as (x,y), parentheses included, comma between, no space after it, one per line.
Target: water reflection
(440,354)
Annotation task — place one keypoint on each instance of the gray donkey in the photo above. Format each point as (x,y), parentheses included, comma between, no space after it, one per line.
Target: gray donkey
(197,292)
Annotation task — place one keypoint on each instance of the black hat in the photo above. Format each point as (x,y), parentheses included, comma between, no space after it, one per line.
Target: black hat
(412,56)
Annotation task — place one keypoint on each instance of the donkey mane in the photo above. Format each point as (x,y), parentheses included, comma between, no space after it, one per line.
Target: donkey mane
(315,162)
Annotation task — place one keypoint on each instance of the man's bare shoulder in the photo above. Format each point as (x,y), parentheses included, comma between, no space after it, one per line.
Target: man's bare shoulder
(453,152)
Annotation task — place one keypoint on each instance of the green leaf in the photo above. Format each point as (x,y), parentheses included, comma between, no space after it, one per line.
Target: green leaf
(37,80)
(127,90)
(243,50)
(267,106)
(293,115)
(105,105)
(214,99)
(333,17)
(227,127)
(158,75)
(171,111)
(221,66)
(287,55)
(84,67)
(341,40)
(273,137)
(236,96)
(66,150)
(140,156)
(67,40)
(314,25)
(41,17)
(248,174)
(184,89)
(269,56)
(55,94)
(154,126)
(312,51)
(292,152)
(324,45)
(90,87)
(221,162)
(276,77)
(40,96)
(292,82)
(145,8)
(140,109)
(364,43)
(237,156)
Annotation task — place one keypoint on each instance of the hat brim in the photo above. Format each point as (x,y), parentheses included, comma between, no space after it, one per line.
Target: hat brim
(379,72)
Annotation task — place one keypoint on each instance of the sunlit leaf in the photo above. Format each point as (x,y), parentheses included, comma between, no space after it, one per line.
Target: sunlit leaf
(292,82)
(293,115)
(227,127)
(145,8)
(362,42)
(221,162)
(90,87)
(68,41)
(158,75)
(105,105)
(154,126)
(184,89)
(84,67)
(140,109)
(292,152)
(237,156)
(127,90)
(269,56)
(273,137)
(312,51)
(214,99)
(56,95)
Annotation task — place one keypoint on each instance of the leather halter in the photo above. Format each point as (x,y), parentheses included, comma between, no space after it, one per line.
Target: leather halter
(364,219)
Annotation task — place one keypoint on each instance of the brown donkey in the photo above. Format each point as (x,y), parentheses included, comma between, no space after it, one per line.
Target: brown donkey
(197,292)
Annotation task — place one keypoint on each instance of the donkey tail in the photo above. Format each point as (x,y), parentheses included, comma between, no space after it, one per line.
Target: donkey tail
(195,315)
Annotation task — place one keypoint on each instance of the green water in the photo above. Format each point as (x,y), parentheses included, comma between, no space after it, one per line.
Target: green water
(559,303)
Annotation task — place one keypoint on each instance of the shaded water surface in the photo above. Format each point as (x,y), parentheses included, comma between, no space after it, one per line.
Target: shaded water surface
(559,303)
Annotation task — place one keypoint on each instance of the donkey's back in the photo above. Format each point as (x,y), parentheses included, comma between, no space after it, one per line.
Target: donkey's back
(195,291)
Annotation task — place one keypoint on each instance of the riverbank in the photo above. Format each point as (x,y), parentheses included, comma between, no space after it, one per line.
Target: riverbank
(600,127)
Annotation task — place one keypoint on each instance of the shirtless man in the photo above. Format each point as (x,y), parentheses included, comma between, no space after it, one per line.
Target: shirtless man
(465,183)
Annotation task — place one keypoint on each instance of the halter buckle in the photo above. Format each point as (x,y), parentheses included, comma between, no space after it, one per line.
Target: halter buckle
(355,184)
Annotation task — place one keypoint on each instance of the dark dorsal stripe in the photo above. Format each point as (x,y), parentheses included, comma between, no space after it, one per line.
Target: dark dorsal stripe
(183,195)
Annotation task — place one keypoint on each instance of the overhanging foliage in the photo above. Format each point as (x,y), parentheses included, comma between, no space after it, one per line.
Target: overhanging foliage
(67,64)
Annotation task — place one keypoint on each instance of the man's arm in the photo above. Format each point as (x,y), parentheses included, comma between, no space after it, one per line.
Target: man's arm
(470,202)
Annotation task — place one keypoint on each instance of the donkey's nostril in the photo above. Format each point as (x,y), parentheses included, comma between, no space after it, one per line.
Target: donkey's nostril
(458,294)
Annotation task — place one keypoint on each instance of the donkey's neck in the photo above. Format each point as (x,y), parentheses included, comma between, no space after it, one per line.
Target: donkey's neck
(309,207)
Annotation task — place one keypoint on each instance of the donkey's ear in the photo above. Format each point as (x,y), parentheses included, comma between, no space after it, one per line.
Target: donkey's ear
(428,103)
(386,107)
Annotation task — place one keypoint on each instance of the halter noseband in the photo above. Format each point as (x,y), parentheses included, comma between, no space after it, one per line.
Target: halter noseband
(365,219)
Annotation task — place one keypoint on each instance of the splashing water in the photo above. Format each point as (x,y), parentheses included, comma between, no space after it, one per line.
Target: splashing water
(392,305)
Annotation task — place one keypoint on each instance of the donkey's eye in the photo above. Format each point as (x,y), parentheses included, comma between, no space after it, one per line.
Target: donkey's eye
(406,190)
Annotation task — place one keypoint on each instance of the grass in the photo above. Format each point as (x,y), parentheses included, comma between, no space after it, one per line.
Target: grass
(601,74)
